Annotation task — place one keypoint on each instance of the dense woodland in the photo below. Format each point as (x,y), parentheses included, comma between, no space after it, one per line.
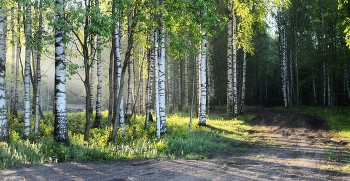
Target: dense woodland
(154,57)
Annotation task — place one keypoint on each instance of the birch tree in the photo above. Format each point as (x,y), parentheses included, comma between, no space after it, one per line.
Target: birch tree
(60,126)
(3,109)
(99,75)
(28,33)
(203,73)
(162,88)
(231,16)
(38,69)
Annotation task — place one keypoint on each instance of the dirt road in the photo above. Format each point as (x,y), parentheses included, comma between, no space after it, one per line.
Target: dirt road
(297,147)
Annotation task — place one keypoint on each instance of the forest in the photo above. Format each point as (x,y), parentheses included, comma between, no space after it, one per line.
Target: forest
(109,74)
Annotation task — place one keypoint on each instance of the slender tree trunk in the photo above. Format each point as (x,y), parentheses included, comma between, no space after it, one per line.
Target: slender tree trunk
(18,57)
(198,81)
(170,87)
(99,84)
(243,80)
(13,62)
(119,108)
(282,49)
(60,126)
(3,108)
(186,84)
(38,71)
(162,79)
(234,65)
(27,72)
(130,90)
(324,84)
(203,73)
(156,78)
(110,74)
(229,61)
(180,93)
(149,88)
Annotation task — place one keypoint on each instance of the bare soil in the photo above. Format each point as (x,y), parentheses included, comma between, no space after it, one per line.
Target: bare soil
(289,146)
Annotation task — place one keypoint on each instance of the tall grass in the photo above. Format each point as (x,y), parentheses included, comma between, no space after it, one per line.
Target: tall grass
(221,136)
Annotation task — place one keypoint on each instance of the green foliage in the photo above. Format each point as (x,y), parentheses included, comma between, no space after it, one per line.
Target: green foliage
(221,136)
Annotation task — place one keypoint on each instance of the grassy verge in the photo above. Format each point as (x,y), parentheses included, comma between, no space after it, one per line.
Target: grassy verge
(339,122)
(222,136)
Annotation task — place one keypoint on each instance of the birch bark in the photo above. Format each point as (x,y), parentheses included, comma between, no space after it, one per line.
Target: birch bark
(162,79)
(3,109)
(27,71)
(203,74)
(60,125)
(229,61)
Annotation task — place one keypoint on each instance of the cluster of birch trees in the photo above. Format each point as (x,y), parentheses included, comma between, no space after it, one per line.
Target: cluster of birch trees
(182,53)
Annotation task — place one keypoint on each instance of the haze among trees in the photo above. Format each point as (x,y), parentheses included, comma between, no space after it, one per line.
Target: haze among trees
(154,57)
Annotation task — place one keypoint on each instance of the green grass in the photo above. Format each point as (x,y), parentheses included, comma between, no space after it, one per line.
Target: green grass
(222,136)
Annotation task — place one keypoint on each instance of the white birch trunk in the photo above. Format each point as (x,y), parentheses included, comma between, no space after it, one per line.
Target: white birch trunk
(203,74)
(119,117)
(198,81)
(234,64)
(156,78)
(60,127)
(229,62)
(27,72)
(3,109)
(162,79)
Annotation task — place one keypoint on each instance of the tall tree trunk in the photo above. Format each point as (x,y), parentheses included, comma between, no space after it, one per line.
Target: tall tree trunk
(162,80)
(229,60)
(324,85)
(3,108)
(180,95)
(27,72)
(282,54)
(156,82)
(118,97)
(129,103)
(38,70)
(186,83)
(60,126)
(99,83)
(198,81)
(111,74)
(149,87)
(18,57)
(243,80)
(203,73)
(13,62)
(170,88)
(234,64)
